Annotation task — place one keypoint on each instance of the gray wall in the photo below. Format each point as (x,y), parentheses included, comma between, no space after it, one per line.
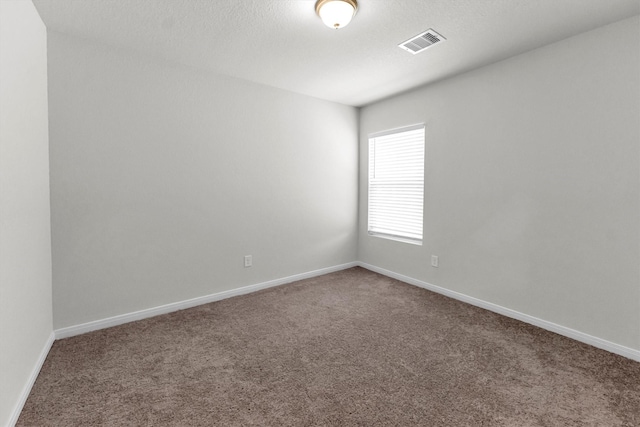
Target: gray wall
(25,234)
(163,177)
(532,192)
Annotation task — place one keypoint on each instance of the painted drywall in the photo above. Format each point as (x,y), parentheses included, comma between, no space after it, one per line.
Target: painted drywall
(532,183)
(163,177)
(25,243)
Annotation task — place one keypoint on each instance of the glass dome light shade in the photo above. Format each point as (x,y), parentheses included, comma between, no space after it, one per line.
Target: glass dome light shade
(336,13)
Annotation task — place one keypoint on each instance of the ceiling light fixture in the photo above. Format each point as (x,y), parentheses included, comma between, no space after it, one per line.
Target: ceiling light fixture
(336,13)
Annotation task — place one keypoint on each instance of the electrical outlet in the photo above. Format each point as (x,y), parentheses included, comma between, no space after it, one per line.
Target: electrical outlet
(248,260)
(434,261)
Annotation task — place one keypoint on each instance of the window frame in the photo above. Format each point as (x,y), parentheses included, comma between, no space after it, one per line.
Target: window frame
(397,235)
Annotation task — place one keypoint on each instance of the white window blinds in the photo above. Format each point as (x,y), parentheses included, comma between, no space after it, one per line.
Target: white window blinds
(396,184)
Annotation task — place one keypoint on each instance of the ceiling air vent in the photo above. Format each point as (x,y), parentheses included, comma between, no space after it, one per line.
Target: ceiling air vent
(422,41)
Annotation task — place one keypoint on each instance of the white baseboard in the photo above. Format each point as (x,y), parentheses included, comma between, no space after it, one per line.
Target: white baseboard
(181,305)
(544,324)
(26,390)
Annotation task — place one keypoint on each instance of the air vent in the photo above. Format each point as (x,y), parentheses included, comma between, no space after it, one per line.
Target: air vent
(422,41)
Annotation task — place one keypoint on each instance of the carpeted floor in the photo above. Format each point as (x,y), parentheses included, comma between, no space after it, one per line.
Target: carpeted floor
(351,348)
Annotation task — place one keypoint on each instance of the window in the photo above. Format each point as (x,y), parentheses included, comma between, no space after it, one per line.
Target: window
(396,184)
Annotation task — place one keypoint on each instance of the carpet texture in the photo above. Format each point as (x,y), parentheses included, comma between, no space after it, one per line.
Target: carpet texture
(351,348)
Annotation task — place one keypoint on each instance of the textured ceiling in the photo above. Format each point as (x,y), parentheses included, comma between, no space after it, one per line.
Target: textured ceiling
(282,43)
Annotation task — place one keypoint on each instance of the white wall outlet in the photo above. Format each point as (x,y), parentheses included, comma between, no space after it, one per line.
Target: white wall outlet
(434,261)
(248,260)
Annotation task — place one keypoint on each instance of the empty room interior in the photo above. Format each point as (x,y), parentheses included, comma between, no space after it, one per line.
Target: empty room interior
(281,212)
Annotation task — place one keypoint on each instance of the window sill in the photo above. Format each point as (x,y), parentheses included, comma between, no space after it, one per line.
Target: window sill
(396,238)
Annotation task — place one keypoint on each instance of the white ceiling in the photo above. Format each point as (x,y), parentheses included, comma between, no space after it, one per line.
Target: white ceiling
(282,43)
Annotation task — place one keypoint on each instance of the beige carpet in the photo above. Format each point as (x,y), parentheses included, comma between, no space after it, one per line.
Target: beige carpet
(351,348)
